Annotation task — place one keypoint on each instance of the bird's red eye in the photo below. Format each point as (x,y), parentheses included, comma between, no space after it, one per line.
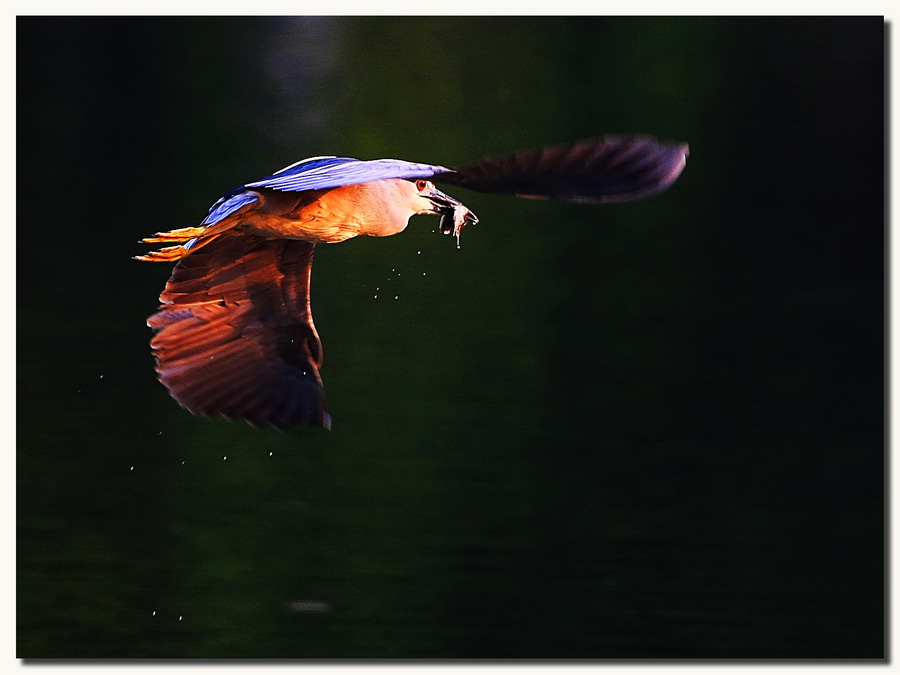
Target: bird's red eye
(421,185)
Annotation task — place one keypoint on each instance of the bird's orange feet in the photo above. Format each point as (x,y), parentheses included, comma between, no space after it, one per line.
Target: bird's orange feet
(181,234)
(171,253)
(167,254)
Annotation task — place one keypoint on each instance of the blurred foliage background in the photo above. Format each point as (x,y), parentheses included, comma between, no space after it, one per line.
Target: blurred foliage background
(644,430)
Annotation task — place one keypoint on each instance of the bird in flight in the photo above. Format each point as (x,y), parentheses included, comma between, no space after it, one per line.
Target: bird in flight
(234,336)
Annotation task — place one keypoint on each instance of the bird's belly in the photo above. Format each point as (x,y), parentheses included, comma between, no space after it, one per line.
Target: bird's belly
(304,228)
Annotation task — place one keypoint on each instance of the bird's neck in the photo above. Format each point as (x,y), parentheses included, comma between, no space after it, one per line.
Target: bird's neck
(366,209)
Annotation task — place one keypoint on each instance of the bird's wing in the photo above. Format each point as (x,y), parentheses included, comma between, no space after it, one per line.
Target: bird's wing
(320,173)
(234,202)
(235,336)
(602,170)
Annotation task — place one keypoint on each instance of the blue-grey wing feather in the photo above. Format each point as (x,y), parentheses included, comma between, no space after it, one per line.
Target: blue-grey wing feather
(321,173)
(234,200)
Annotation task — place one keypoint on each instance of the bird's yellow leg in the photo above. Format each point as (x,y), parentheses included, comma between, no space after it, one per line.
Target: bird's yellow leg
(181,234)
(167,254)
(171,253)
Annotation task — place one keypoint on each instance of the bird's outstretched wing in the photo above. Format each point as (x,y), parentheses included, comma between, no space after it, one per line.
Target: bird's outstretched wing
(235,336)
(603,170)
(320,173)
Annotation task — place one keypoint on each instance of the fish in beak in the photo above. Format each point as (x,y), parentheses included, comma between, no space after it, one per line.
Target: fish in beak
(454,215)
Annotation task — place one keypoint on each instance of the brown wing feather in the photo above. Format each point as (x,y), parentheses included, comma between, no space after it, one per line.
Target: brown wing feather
(601,170)
(235,336)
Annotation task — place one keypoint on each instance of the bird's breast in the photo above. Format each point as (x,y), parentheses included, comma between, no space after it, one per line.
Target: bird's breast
(325,216)
(306,227)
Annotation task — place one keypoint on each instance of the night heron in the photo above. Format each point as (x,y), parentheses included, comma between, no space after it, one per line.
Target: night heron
(235,336)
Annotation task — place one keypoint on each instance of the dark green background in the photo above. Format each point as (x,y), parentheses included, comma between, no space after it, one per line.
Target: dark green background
(642,430)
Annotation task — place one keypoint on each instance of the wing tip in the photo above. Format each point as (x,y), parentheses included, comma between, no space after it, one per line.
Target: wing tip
(323,419)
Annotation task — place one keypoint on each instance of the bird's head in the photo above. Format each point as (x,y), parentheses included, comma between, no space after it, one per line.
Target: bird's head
(384,207)
(426,198)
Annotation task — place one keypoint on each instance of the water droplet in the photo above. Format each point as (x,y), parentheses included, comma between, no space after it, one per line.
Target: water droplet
(131,469)
(101,377)
(418,252)
(224,458)
(153,614)
(270,454)
(179,618)
(423,274)
(396,296)
(376,295)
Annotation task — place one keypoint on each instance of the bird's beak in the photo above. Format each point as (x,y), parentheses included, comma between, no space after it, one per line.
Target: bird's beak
(454,215)
(441,203)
